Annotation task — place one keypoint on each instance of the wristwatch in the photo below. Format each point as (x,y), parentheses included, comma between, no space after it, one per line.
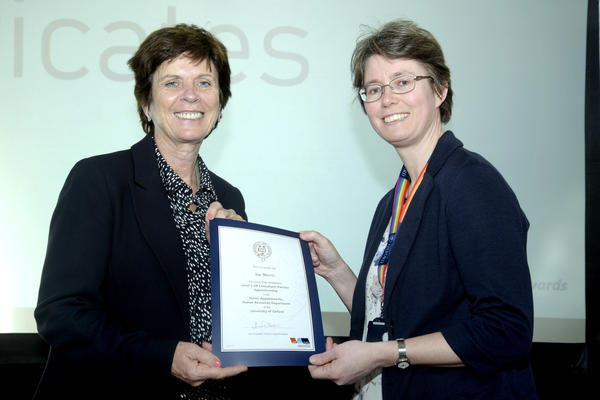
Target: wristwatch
(403,361)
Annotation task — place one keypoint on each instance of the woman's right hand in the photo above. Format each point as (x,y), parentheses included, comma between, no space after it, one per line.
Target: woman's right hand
(328,264)
(216,210)
(350,361)
(194,364)
(325,257)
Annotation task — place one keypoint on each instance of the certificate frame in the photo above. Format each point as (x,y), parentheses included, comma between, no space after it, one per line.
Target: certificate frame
(256,357)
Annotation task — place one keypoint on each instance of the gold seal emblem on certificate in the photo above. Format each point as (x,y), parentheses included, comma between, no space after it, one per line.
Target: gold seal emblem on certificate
(262,250)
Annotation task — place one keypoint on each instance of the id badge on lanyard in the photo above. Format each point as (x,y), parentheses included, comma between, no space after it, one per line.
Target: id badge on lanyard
(377,330)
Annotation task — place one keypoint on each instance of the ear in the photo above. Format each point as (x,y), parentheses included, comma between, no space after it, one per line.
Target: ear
(441,96)
(147,112)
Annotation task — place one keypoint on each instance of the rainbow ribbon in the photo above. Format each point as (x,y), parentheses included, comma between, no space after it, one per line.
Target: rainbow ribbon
(399,208)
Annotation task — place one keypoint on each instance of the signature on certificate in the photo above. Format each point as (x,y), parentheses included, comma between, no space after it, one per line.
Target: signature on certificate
(263,325)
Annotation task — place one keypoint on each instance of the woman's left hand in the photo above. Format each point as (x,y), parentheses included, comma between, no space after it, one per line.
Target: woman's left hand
(348,362)
(216,210)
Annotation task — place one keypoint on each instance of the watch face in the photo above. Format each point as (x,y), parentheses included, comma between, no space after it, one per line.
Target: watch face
(403,364)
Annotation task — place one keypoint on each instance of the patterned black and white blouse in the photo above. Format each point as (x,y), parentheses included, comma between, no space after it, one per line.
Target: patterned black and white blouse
(190,225)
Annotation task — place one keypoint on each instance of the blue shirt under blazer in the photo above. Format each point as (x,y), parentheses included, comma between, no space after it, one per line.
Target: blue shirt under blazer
(113,299)
(458,266)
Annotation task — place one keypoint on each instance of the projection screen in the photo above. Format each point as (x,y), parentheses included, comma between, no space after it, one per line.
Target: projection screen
(293,138)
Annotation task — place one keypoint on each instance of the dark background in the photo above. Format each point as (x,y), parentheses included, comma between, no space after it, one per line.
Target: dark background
(561,372)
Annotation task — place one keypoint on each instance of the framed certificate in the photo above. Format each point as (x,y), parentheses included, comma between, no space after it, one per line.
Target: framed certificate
(265,305)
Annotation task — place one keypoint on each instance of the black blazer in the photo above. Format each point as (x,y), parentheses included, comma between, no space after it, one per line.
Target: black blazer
(459,266)
(113,298)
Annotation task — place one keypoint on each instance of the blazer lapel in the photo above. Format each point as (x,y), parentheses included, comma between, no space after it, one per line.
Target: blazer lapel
(155,219)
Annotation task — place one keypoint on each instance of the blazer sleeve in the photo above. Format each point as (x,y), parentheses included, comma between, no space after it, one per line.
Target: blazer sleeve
(488,235)
(71,313)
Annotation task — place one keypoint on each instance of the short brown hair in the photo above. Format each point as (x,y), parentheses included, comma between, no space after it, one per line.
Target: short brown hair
(166,44)
(404,39)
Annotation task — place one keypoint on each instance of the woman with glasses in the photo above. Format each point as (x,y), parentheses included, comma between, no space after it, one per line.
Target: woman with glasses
(442,306)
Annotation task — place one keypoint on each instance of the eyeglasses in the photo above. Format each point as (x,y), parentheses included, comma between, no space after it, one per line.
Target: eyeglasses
(401,84)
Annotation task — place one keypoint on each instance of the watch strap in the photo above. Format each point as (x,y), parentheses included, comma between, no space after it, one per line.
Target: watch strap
(403,362)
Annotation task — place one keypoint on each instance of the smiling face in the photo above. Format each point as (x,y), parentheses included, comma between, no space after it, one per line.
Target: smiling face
(407,119)
(185,101)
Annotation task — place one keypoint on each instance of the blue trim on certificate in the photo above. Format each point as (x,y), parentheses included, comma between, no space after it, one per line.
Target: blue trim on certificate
(303,349)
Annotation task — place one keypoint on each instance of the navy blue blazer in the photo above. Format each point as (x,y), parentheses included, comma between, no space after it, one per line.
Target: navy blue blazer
(459,266)
(113,298)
